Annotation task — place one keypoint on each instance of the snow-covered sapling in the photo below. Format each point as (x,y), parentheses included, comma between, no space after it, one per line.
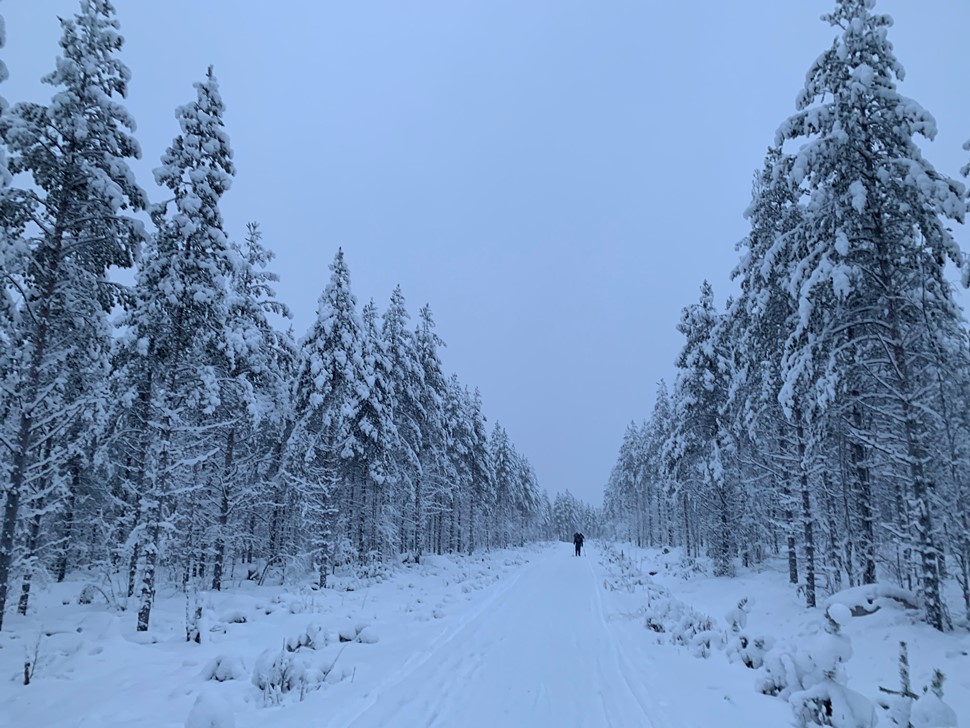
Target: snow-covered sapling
(910,710)
(750,650)
(825,699)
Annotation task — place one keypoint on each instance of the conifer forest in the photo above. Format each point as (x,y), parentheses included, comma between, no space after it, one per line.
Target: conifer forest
(161,423)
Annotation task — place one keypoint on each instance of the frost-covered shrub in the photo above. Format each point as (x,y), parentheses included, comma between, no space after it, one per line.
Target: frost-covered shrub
(313,637)
(359,632)
(293,603)
(373,567)
(683,625)
(909,710)
(234,616)
(811,676)
(91,592)
(793,668)
(828,703)
(749,650)
(277,673)
(223,668)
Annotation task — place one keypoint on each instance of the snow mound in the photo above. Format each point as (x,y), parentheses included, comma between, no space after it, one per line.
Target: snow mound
(868,598)
(234,616)
(223,668)
(210,711)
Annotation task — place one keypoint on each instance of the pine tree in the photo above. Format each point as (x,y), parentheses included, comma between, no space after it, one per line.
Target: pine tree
(174,353)
(55,282)
(406,383)
(700,441)
(870,282)
(505,475)
(378,438)
(431,397)
(253,386)
(480,470)
(330,385)
(761,317)
(656,432)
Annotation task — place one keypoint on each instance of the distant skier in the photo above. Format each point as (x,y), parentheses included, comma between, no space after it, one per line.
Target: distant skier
(578,542)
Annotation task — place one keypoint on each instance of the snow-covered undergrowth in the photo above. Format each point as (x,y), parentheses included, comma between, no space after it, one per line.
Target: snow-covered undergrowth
(838,664)
(535,636)
(263,649)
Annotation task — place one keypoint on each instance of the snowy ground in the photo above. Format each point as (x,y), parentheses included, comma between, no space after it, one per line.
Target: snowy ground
(532,637)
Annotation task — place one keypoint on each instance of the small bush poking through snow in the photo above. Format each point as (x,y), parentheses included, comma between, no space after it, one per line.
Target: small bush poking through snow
(909,710)
(357,633)
(812,678)
(666,615)
(223,668)
(313,638)
(277,673)
(234,616)
(741,645)
(90,593)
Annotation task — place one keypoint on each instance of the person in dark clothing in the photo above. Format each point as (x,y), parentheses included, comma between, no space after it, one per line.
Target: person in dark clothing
(578,542)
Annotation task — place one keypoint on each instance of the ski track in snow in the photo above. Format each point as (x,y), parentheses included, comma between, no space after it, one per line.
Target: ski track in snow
(540,652)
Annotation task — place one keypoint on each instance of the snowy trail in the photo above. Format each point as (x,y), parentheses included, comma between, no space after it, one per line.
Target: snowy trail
(543,654)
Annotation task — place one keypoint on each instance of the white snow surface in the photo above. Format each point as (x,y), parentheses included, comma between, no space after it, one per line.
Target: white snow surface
(529,637)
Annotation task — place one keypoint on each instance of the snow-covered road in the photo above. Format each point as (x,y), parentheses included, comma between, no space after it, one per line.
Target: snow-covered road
(540,652)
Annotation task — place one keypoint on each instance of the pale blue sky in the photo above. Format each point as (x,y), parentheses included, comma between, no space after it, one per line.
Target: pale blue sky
(555,177)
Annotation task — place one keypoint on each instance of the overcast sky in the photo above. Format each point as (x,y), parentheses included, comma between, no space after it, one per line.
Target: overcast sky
(555,177)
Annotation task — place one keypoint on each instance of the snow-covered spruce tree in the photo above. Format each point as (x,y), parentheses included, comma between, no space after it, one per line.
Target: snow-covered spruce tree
(657,431)
(960,512)
(870,285)
(623,490)
(567,515)
(406,383)
(253,395)
(378,438)
(516,503)
(652,434)
(431,397)
(449,525)
(56,290)
(174,351)
(275,536)
(505,474)
(699,444)
(330,384)
(529,503)
(761,317)
(481,496)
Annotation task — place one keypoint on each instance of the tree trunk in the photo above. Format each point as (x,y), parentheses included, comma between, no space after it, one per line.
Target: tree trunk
(419,518)
(223,519)
(806,518)
(63,549)
(147,594)
(32,538)
(863,500)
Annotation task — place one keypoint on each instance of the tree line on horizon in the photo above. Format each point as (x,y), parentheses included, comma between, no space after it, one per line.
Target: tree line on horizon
(824,414)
